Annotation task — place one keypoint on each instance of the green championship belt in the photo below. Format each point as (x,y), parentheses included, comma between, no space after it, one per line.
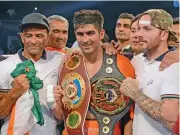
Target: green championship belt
(107,103)
(76,85)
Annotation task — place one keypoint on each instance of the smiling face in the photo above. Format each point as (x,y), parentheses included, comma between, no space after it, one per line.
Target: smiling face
(58,34)
(34,40)
(89,38)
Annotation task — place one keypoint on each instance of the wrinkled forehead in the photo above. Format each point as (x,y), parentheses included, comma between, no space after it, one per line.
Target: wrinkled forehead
(58,23)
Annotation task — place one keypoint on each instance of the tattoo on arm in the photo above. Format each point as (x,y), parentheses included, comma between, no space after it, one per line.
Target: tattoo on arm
(151,108)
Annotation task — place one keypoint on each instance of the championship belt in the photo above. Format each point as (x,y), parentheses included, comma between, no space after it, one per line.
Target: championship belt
(76,85)
(107,103)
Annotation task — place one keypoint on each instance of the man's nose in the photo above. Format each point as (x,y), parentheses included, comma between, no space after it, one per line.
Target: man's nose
(85,39)
(121,28)
(33,40)
(139,33)
(135,35)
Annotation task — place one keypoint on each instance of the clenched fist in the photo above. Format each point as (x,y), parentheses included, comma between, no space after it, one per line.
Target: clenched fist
(58,93)
(129,87)
(20,84)
(54,96)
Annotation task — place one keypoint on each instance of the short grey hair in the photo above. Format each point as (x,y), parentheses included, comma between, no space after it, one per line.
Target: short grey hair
(59,18)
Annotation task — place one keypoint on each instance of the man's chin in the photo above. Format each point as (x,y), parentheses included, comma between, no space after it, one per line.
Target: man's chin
(135,44)
(86,52)
(34,52)
(123,38)
(60,45)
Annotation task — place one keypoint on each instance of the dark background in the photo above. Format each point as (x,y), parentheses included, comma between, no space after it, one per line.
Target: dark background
(9,40)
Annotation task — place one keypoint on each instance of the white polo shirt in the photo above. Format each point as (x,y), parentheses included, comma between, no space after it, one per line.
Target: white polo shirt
(156,85)
(47,70)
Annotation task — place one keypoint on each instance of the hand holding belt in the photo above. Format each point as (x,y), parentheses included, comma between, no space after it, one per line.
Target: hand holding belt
(76,85)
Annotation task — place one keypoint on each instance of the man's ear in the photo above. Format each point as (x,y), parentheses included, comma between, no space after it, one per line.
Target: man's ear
(102,32)
(22,37)
(164,35)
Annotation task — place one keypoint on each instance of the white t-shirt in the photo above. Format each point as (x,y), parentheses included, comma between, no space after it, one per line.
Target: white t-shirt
(156,85)
(47,70)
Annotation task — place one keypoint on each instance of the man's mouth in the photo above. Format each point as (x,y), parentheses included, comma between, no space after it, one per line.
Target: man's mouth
(86,46)
(59,41)
(135,42)
(121,34)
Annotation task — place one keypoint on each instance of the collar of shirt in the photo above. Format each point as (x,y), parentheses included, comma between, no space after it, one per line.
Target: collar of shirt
(160,58)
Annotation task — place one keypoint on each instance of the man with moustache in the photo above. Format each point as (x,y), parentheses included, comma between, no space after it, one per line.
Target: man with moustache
(59,27)
(16,97)
(58,37)
(58,33)
(153,88)
(170,57)
(88,25)
(57,42)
